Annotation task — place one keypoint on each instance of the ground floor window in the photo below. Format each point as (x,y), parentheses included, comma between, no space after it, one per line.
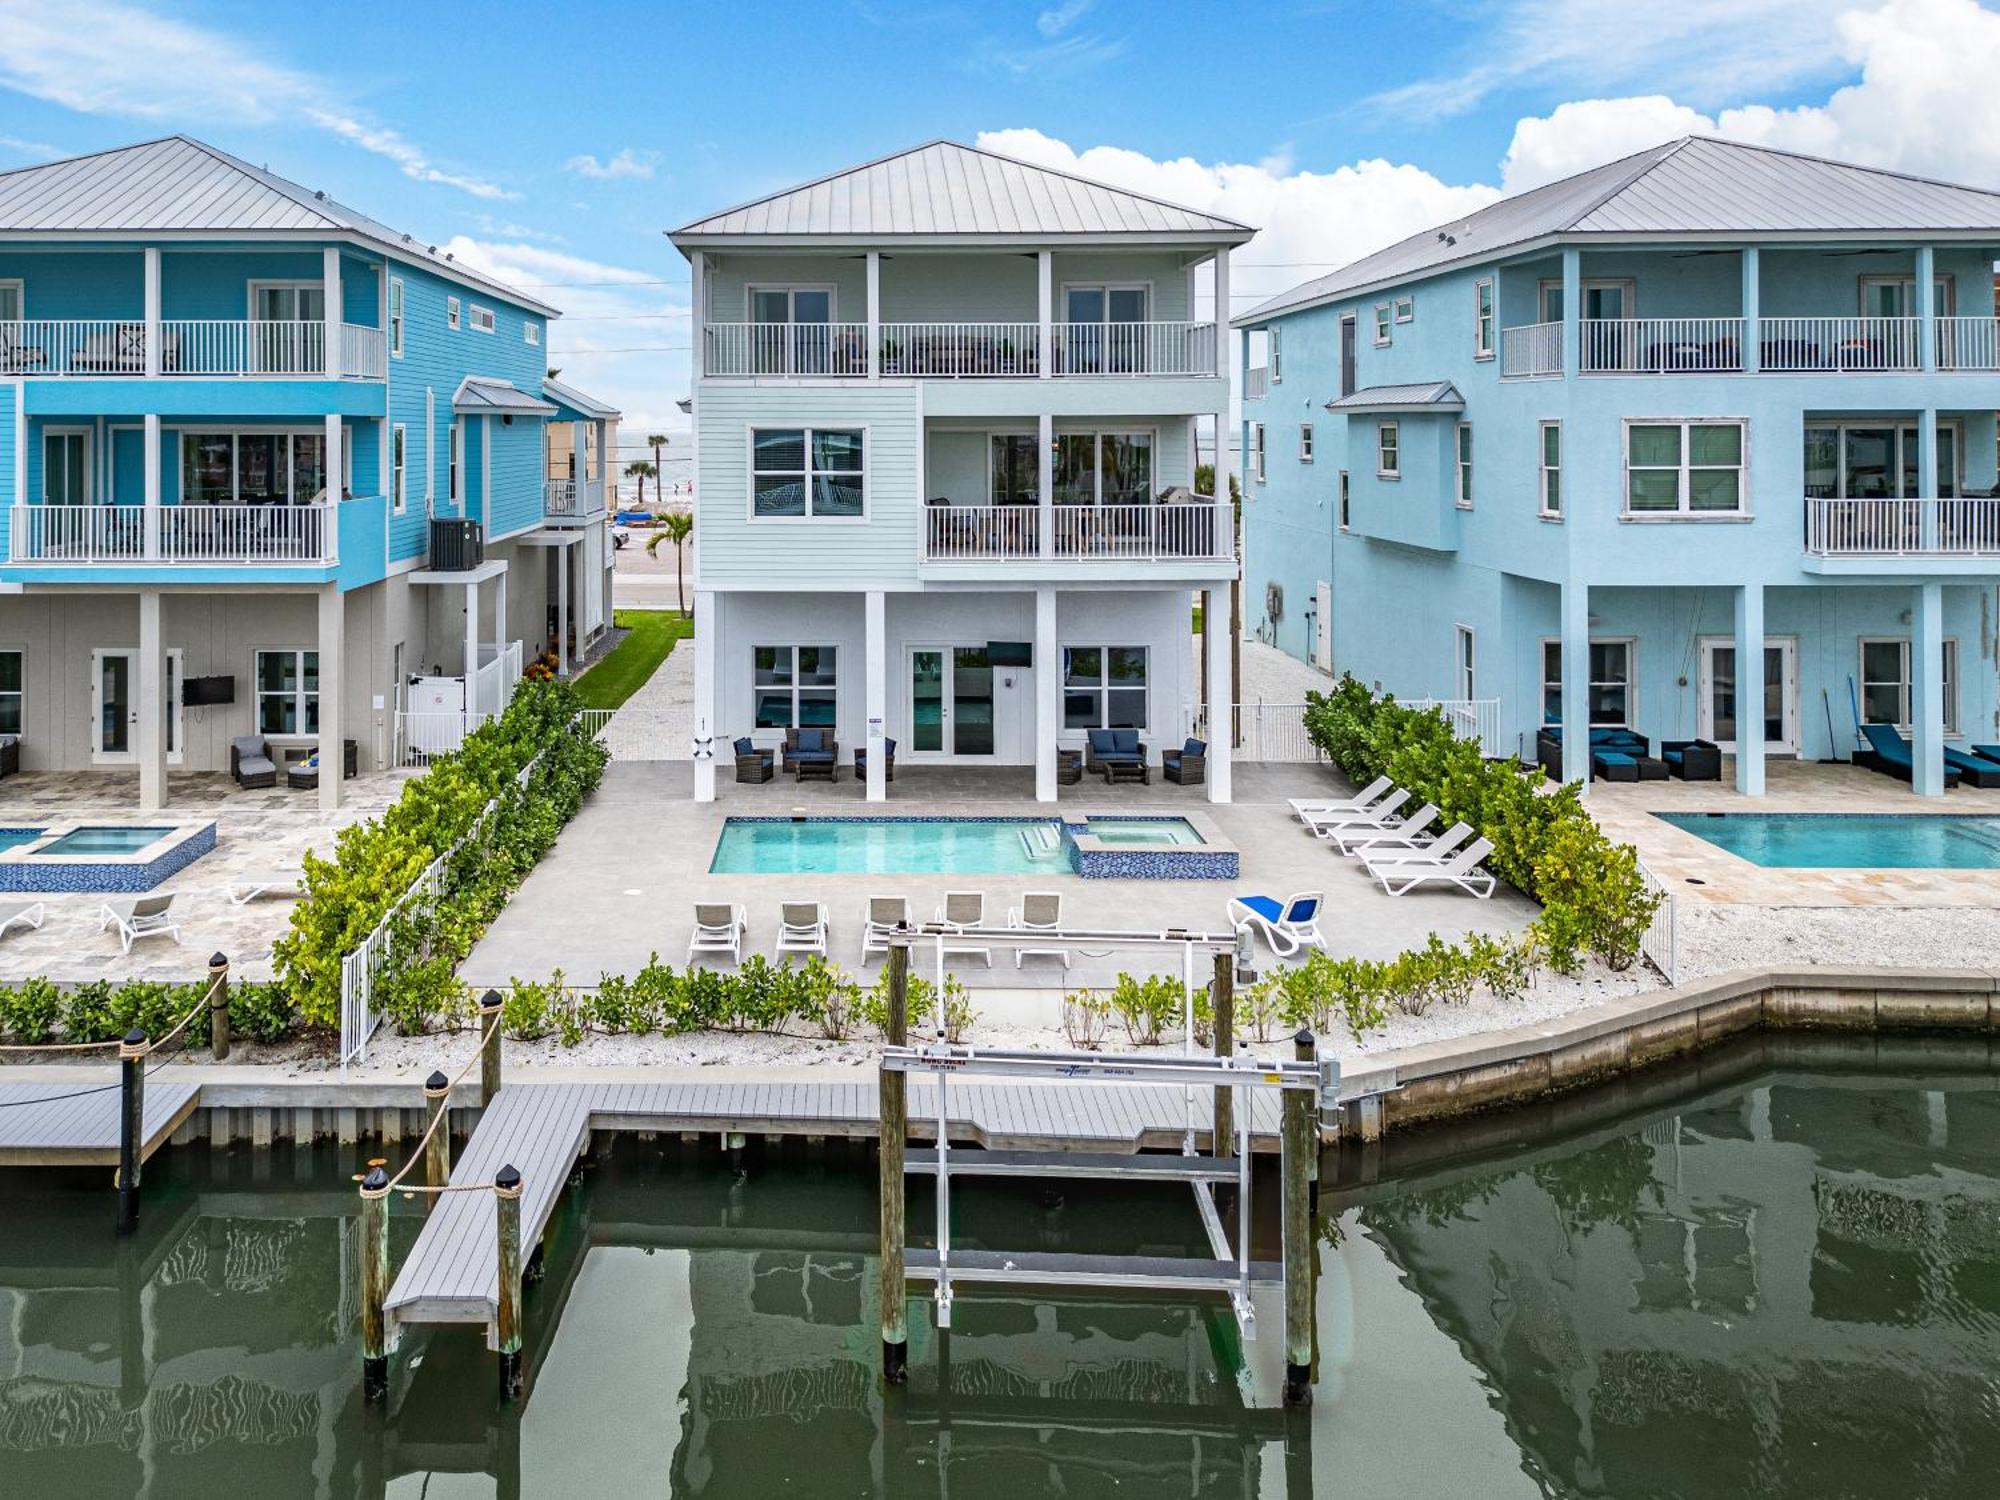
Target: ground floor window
(287,692)
(1104,687)
(1885,682)
(13,691)
(794,687)
(1610,685)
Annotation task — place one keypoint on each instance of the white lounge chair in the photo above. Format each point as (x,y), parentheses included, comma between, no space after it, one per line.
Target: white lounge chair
(1437,848)
(963,909)
(1038,911)
(885,915)
(1374,791)
(718,928)
(1408,832)
(247,887)
(802,928)
(140,917)
(1287,925)
(1378,816)
(1400,877)
(21,914)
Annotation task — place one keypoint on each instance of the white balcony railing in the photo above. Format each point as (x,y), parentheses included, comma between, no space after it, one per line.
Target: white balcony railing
(232,346)
(1531,350)
(959,349)
(1968,343)
(799,349)
(976,533)
(1795,345)
(1661,346)
(188,346)
(1257,383)
(1134,348)
(73,346)
(559,497)
(1141,533)
(214,534)
(364,352)
(1962,527)
(1475,719)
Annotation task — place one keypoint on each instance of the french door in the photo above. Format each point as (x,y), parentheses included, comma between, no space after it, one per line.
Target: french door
(114,705)
(792,336)
(1715,717)
(951,703)
(290,319)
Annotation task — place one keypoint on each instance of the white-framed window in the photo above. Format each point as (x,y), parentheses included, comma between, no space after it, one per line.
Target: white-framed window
(1104,687)
(451,312)
(265,466)
(13,690)
(1388,451)
(1885,681)
(1610,689)
(13,300)
(531,331)
(1686,467)
(287,691)
(1345,513)
(396,317)
(398,468)
(1103,468)
(1305,442)
(1464,496)
(1552,470)
(1383,331)
(1467,664)
(1013,469)
(481,318)
(1276,355)
(1605,300)
(794,687)
(1896,296)
(66,466)
(1406,309)
(1874,461)
(808,473)
(1257,451)
(1482,318)
(451,462)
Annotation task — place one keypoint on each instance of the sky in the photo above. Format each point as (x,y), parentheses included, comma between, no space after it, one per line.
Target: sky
(554,147)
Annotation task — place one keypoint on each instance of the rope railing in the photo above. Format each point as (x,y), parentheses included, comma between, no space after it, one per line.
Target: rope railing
(125,1047)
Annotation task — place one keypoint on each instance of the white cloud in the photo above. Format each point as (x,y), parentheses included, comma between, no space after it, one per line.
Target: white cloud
(1588,132)
(1057,19)
(104,57)
(627,163)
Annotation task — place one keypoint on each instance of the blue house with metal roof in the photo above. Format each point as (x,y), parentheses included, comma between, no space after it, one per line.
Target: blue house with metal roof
(270,461)
(1572,460)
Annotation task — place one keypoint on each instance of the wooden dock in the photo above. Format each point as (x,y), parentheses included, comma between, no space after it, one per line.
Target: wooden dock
(451,1274)
(75,1124)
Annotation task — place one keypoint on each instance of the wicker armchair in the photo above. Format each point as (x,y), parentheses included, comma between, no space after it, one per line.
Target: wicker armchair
(753,765)
(811,752)
(10,755)
(250,763)
(1187,766)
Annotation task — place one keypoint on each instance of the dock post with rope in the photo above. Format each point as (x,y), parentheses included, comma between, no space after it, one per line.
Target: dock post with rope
(374,1286)
(131,1125)
(1301,1152)
(218,1007)
(507,1216)
(437,1136)
(490,1007)
(894,1125)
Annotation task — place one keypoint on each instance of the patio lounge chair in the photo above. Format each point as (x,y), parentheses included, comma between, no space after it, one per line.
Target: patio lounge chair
(752,765)
(10,755)
(1395,854)
(718,928)
(1974,768)
(1400,877)
(1187,766)
(886,914)
(247,887)
(802,928)
(21,914)
(1692,760)
(888,761)
(1988,752)
(1287,926)
(1377,789)
(1038,911)
(1378,816)
(1889,753)
(139,917)
(250,761)
(1410,833)
(963,909)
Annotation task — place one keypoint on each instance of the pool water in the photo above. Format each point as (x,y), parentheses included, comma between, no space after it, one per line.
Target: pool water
(885,846)
(1144,833)
(14,838)
(1936,841)
(106,840)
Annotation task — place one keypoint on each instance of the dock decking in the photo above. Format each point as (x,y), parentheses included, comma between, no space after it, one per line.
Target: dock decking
(451,1274)
(75,1124)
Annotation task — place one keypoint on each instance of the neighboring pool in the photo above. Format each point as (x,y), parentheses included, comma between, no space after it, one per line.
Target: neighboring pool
(1094,846)
(1145,833)
(1864,841)
(14,838)
(105,841)
(99,856)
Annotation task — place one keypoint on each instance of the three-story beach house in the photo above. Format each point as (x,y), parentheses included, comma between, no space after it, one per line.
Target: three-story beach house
(945,413)
(1579,457)
(275,468)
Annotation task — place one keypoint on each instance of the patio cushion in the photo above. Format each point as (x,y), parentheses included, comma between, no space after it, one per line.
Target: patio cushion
(1267,907)
(1125,741)
(1194,747)
(812,740)
(1101,742)
(815,757)
(250,746)
(746,746)
(1615,758)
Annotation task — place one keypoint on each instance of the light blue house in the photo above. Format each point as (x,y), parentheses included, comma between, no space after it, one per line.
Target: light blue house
(269,462)
(1573,459)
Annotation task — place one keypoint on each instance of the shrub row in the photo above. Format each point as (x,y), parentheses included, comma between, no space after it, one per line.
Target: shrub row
(40,1010)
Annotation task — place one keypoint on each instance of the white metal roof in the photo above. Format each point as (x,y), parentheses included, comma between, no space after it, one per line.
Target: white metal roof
(1436,395)
(477,395)
(945,190)
(179,185)
(1695,186)
(570,396)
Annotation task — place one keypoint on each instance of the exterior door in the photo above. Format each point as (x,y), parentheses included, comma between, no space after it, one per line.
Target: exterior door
(792,337)
(952,703)
(66,478)
(1347,342)
(1323,627)
(114,704)
(1716,716)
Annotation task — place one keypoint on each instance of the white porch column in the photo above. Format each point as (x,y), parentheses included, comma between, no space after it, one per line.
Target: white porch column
(875,664)
(499,616)
(562,611)
(150,456)
(330,276)
(20,450)
(1221,312)
(152,296)
(579,436)
(1576,681)
(471,642)
(1927,308)
(1927,704)
(874,314)
(1750,690)
(704,695)
(1572,360)
(1048,693)
(1045,304)
(1045,484)
(332,686)
(1927,479)
(1752,343)
(150,742)
(698,301)
(336,460)
(1221,689)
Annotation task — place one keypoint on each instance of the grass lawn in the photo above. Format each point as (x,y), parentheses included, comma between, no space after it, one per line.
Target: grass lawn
(634,659)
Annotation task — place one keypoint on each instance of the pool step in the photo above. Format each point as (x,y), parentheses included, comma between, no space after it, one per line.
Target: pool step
(1041,841)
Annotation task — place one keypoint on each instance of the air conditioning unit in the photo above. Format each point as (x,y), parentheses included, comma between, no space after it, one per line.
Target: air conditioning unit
(1274,601)
(457,545)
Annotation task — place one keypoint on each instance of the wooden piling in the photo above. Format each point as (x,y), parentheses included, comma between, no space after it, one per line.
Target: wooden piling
(374,1286)
(894,1131)
(1299,1147)
(1306,1048)
(218,1007)
(437,1146)
(489,1047)
(1222,1002)
(507,1214)
(131,1126)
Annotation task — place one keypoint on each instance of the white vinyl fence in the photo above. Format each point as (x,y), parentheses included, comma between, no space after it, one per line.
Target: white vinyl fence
(1661,940)
(1268,732)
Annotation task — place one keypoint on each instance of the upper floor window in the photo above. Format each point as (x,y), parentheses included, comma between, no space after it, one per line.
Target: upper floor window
(1482,319)
(1383,332)
(258,468)
(1684,468)
(1305,442)
(1104,468)
(396,316)
(1345,514)
(451,462)
(1275,349)
(12,302)
(800,472)
(398,448)
(1896,296)
(481,317)
(1388,451)
(1464,496)
(1015,469)
(531,332)
(1106,303)
(1603,300)
(1406,309)
(1468,664)
(288,301)
(1552,469)
(451,312)
(1257,451)
(1871,461)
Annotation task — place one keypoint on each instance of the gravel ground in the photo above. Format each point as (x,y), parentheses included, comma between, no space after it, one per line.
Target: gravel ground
(1714,938)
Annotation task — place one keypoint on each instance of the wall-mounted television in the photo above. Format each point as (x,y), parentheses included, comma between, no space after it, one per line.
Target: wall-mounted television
(1010,653)
(207,692)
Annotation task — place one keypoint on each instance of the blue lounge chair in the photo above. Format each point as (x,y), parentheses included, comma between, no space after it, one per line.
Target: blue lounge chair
(1287,925)
(1889,753)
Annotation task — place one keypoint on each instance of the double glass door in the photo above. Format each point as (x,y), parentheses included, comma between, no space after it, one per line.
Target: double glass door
(1106,330)
(1717,719)
(791,331)
(114,703)
(951,702)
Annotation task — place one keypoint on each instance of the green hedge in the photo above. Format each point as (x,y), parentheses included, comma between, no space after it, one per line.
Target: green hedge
(40,1010)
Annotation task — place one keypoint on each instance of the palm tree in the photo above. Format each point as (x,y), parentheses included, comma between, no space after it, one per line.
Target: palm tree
(640,470)
(675,527)
(657,441)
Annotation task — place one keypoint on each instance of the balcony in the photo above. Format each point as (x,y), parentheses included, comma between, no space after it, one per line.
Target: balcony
(208,535)
(1078,533)
(566,503)
(1257,383)
(1965,527)
(1785,346)
(199,347)
(953,351)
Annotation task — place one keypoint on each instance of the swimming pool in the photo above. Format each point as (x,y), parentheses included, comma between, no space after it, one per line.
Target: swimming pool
(14,838)
(1144,833)
(1865,841)
(106,840)
(888,846)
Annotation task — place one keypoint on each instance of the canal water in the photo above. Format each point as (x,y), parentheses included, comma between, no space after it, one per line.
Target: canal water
(1776,1273)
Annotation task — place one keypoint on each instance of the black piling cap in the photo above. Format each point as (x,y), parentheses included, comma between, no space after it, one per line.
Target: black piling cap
(377,1181)
(437,1080)
(218,960)
(489,1000)
(1305,1038)
(135,1038)
(508,1176)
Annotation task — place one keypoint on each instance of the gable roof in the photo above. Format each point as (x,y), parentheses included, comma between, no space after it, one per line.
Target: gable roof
(178,185)
(569,396)
(1435,395)
(943,190)
(1697,186)
(479,395)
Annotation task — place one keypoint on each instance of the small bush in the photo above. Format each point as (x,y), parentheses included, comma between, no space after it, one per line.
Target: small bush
(1086,1019)
(31,1012)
